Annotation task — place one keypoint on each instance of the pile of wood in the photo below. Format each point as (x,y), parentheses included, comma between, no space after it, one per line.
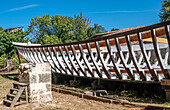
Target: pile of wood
(9,67)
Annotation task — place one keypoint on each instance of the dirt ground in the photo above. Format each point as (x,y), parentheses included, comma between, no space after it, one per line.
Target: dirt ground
(69,102)
(5,84)
(60,101)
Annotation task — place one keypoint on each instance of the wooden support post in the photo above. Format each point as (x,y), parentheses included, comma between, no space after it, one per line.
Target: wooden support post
(166,86)
(18,57)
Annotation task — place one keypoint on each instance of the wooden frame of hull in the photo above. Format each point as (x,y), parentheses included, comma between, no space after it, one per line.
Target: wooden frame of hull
(106,58)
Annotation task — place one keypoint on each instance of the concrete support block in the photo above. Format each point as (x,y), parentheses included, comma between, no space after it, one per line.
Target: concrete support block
(38,77)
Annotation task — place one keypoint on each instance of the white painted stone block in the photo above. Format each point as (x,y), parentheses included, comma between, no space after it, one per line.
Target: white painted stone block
(38,76)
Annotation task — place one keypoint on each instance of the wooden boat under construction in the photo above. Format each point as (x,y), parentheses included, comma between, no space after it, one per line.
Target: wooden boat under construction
(124,56)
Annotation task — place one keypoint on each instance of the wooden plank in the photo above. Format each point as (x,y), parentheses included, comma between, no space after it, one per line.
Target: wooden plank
(54,62)
(66,62)
(165,82)
(128,69)
(94,62)
(77,60)
(40,60)
(71,61)
(140,59)
(17,97)
(106,58)
(59,62)
(18,56)
(122,40)
(146,58)
(115,66)
(42,55)
(167,31)
(102,61)
(45,54)
(166,57)
(132,55)
(159,40)
(127,57)
(86,61)
(33,55)
(23,54)
(158,55)
(26,94)
(20,84)
(28,54)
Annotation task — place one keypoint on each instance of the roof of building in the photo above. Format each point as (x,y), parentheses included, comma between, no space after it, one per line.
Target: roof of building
(14,27)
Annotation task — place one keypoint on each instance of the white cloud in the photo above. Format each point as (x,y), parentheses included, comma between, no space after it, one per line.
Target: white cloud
(20,8)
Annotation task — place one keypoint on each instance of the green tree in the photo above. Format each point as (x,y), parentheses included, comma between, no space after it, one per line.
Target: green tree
(82,24)
(59,26)
(165,11)
(1,28)
(114,29)
(96,29)
(6,39)
(52,39)
(39,27)
(62,29)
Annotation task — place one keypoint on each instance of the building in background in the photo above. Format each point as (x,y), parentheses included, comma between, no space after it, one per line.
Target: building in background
(14,29)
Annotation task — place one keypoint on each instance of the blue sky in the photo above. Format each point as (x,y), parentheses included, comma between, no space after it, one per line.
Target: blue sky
(108,13)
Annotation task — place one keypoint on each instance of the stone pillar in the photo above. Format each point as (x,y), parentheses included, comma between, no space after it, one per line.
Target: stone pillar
(166,86)
(38,77)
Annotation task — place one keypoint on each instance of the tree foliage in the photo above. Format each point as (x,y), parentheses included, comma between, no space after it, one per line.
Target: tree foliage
(94,30)
(50,30)
(6,39)
(114,29)
(62,29)
(1,28)
(165,11)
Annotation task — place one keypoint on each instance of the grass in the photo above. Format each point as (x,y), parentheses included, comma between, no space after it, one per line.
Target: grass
(167,103)
(6,80)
